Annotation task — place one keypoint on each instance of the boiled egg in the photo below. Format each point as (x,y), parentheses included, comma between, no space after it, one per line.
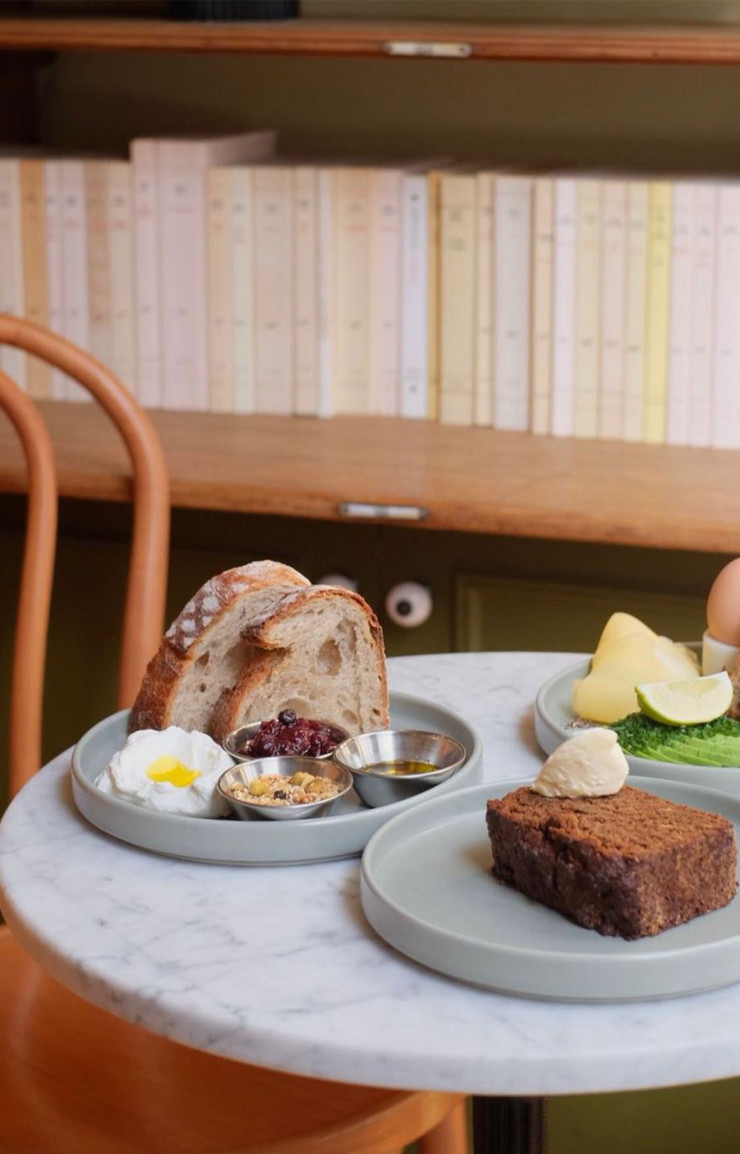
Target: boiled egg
(723,605)
(169,770)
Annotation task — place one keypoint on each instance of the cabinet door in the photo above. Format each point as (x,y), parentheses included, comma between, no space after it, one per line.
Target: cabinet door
(500,613)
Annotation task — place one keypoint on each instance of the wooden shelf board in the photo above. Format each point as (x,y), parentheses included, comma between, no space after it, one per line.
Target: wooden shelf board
(471,480)
(304,37)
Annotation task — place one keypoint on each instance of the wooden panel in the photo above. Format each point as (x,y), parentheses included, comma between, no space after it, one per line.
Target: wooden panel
(492,614)
(474,480)
(362,38)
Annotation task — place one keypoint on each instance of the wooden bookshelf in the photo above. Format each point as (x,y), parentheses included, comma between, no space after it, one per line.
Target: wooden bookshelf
(355,38)
(471,480)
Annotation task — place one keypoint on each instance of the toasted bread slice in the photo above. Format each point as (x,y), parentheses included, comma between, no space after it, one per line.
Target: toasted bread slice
(203,651)
(318,651)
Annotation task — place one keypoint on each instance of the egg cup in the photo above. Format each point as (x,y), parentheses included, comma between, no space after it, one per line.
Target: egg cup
(248,771)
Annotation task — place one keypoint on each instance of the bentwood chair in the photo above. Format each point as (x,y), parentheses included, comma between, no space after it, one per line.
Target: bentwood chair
(74,1079)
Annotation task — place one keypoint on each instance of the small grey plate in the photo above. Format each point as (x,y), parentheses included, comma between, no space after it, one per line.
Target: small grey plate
(342,833)
(553,717)
(426,887)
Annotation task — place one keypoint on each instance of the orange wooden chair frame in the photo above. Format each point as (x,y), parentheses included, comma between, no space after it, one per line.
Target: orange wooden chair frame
(73,1079)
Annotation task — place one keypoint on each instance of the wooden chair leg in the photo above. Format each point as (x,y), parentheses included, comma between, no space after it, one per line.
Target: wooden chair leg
(450,1136)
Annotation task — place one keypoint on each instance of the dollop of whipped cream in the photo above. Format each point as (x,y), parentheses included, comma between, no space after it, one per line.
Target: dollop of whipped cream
(591,764)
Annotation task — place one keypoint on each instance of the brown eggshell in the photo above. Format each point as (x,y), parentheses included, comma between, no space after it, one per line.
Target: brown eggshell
(723,605)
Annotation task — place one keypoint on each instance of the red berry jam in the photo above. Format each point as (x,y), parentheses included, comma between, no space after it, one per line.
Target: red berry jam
(288,735)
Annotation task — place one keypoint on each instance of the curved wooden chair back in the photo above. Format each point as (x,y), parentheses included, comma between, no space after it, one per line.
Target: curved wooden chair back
(147,578)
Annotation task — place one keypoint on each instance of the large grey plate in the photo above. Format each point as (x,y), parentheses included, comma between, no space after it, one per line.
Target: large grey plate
(553,716)
(230,842)
(427,889)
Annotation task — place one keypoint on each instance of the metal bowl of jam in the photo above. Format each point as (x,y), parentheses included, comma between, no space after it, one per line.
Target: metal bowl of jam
(393,764)
(284,736)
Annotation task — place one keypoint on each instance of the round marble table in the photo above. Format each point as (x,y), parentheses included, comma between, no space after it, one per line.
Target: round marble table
(277,966)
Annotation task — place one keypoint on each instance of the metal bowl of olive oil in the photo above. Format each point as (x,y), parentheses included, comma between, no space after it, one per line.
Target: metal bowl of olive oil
(392,764)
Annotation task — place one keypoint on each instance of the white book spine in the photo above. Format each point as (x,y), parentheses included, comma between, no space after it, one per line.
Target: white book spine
(613,280)
(243,257)
(702,312)
(513,257)
(76,306)
(98,260)
(326,404)
(635,305)
(564,308)
(726,392)
(148,294)
(414,386)
(54,269)
(121,242)
(384,344)
(183,269)
(12,297)
(351,312)
(543,236)
(484,356)
(588,288)
(306,278)
(679,348)
(220,296)
(273,246)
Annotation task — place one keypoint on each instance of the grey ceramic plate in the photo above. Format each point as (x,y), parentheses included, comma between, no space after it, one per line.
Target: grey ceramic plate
(231,842)
(427,889)
(553,716)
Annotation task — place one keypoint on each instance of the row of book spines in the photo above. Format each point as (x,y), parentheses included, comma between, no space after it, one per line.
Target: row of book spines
(628,328)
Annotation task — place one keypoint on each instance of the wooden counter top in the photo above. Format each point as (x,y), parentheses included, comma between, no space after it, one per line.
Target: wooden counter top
(471,480)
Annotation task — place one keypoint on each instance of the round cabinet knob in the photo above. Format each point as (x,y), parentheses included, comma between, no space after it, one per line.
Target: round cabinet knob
(340,579)
(409,604)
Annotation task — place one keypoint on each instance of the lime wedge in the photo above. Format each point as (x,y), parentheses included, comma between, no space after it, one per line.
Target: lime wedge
(686,702)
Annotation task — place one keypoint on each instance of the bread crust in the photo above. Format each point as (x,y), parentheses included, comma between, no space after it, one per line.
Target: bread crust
(202,614)
(227,713)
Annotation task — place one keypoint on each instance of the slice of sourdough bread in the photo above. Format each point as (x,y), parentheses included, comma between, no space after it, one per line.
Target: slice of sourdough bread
(204,651)
(318,651)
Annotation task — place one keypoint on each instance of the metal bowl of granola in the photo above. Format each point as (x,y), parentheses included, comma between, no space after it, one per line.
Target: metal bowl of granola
(283,788)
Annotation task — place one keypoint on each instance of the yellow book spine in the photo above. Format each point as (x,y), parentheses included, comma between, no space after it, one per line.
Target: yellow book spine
(434,180)
(33,229)
(457,299)
(657,297)
(588,254)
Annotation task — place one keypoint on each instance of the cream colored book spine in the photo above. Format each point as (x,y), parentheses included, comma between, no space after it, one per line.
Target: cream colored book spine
(588,295)
(415,295)
(326,401)
(12,295)
(457,299)
(512,269)
(564,308)
(634,362)
(679,363)
(33,224)
(434,233)
(657,311)
(54,265)
(147,228)
(273,248)
(704,252)
(242,232)
(220,290)
(98,259)
(384,339)
(725,408)
(543,236)
(612,306)
(75,301)
(351,307)
(122,272)
(484,352)
(306,289)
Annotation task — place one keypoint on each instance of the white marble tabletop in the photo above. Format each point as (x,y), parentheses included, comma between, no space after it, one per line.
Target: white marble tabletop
(277,966)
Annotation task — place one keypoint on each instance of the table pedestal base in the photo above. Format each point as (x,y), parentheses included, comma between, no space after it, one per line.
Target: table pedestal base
(509,1125)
